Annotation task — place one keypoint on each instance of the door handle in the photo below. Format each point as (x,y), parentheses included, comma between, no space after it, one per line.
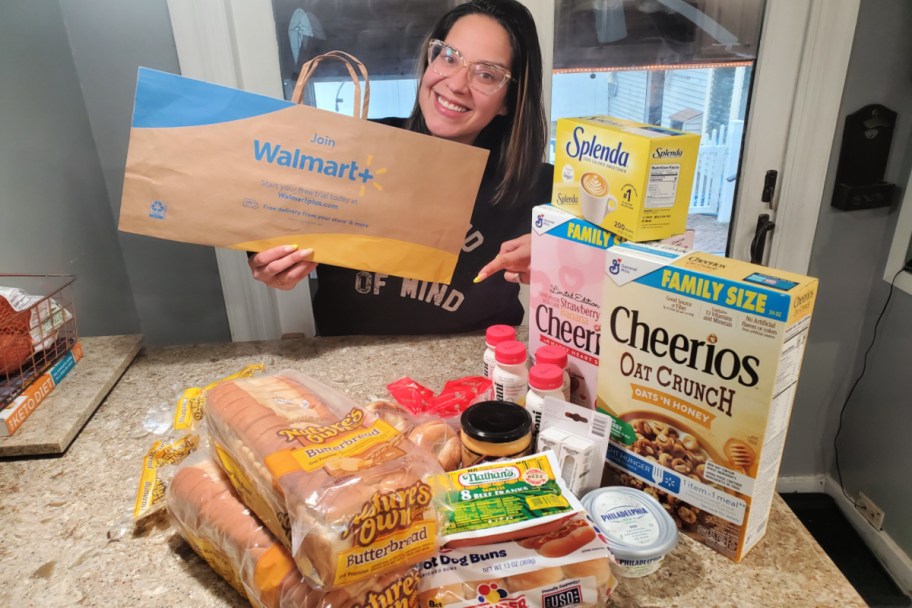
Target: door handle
(758,243)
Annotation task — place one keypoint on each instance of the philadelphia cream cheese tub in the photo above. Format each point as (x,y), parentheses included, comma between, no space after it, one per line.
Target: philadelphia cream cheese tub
(638,529)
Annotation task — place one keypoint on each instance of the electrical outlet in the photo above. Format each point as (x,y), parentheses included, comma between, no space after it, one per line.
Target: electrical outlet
(870,511)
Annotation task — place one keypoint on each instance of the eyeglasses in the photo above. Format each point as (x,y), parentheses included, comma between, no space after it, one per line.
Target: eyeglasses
(485,78)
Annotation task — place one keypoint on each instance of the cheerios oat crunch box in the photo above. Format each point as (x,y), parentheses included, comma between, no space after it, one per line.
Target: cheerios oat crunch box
(700,359)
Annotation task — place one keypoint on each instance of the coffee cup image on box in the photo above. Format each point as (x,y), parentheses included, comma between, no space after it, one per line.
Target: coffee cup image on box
(595,200)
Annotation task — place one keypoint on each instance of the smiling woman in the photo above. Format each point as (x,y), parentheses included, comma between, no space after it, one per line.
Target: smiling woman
(480,84)
(454,105)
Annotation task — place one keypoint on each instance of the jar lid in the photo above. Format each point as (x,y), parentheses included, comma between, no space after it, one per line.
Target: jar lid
(554,354)
(496,334)
(546,376)
(510,352)
(634,523)
(496,421)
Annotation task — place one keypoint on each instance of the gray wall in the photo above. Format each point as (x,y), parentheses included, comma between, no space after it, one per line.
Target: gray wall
(849,256)
(68,69)
(55,214)
(176,287)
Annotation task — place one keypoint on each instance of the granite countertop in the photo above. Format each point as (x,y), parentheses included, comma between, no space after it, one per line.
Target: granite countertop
(62,544)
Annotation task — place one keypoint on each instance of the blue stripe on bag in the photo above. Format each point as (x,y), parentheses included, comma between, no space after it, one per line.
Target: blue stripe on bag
(168,100)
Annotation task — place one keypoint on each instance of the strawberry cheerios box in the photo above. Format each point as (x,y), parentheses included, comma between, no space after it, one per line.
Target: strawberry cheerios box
(568,258)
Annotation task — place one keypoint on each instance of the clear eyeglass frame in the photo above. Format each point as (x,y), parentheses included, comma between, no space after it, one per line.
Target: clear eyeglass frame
(486,78)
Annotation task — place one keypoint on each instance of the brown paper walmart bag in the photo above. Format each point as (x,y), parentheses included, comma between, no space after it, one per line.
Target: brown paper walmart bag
(217,166)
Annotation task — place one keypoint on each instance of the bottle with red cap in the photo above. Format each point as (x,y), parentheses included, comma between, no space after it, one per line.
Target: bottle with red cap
(545,380)
(510,376)
(556,355)
(494,335)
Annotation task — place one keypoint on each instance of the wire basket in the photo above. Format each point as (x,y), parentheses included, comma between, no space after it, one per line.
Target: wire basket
(37,328)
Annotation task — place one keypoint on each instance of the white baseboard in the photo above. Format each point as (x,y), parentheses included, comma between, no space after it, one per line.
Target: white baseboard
(896,562)
(801,483)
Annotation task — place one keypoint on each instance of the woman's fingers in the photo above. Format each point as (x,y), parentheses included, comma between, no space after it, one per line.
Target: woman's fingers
(263,259)
(289,279)
(282,267)
(516,277)
(514,259)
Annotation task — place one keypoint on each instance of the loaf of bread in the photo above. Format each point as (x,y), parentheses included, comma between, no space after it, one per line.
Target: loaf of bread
(221,529)
(342,489)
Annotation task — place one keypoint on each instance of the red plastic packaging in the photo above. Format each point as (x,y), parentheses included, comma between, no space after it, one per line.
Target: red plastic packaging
(455,396)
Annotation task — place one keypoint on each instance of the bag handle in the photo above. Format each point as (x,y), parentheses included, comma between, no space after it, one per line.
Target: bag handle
(351,63)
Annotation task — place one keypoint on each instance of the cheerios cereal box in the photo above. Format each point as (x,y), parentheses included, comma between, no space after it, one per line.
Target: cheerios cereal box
(565,292)
(631,178)
(700,359)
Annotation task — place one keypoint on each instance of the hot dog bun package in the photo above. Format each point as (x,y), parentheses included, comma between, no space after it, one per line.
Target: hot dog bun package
(503,500)
(343,489)
(210,516)
(569,566)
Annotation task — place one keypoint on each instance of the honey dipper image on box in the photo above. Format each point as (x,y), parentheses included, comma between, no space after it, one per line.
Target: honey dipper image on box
(700,360)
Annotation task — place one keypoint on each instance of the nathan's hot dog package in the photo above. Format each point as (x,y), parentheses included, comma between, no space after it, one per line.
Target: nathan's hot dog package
(212,519)
(344,490)
(503,500)
(570,566)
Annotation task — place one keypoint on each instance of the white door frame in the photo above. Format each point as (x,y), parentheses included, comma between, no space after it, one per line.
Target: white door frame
(795,105)
(794,110)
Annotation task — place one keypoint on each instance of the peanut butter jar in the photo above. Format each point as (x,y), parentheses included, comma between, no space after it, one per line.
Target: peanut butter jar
(495,430)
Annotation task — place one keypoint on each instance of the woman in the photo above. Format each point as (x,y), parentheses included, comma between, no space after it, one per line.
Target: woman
(481,85)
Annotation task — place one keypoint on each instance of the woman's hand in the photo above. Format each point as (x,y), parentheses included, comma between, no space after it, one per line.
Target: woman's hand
(515,259)
(282,267)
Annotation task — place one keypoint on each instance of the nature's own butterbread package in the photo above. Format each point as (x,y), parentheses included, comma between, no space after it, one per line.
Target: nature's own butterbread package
(700,358)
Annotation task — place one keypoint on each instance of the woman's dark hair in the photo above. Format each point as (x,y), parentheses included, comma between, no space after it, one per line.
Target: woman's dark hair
(518,139)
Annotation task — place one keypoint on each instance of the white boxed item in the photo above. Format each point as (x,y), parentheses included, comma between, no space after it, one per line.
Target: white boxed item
(568,257)
(632,178)
(579,437)
(700,359)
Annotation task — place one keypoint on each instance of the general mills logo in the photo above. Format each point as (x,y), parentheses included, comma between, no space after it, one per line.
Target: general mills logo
(157,210)
(615,266)
(539,220)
